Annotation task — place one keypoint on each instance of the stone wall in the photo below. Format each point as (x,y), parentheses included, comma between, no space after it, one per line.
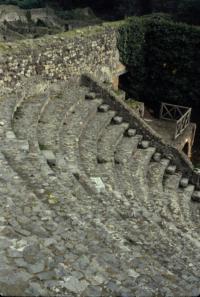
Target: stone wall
(62,56)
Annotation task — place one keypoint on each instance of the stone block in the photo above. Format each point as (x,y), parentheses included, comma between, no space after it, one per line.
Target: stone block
(10,135)
(144,144)
(184,182)
(171,169)
(90,96)
(103,108)
(157,157)
(117,120)
(196,196)
(98,184)
(131,132)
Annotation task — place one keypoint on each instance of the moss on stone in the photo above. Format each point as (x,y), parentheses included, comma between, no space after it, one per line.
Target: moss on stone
(134,104)
(22,45)
(52,199)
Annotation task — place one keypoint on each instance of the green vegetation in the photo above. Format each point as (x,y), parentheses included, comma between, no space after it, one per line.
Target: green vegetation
(182,10)
(134,104)
(24,3)
(189,11)
(131,46)
(162,59)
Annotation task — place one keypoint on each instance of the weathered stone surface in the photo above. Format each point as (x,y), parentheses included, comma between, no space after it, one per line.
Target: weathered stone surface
(144,144)
(171,169)
(10,135)
(13,283)
(196,196)
(35,289)
(36,267)
(30,253)
(90,96)
(120,228)
(184,182)
(131,132)
(72,284)
(12,13)
(157,157)
(104,108)
(98,184)
(117,120)
(50,157)
(55,58)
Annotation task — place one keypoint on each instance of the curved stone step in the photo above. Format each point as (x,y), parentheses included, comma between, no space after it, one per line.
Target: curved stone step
(156,173)
(172,181)
(25,124)
(123,171)
(101,238)
(108,142)
(53,116)
(139,168)
(77,120)
(107,146)
(189,210)
(7,106)
(22,204)
(132,176)
(171,186)
(141,160)
(38,161)
(83,231)
(126,148)
(89,139)
(195,211)
(168,239)
(26,117)
(157,201)
(77,237)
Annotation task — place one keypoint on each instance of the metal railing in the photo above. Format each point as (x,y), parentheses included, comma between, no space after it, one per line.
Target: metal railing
(179,114)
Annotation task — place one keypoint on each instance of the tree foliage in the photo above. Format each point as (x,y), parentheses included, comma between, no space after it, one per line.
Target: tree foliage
(162,59)
(183,10)
(25,3)
(189,11)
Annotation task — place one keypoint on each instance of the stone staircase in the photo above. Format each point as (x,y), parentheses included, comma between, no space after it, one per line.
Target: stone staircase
(90,206)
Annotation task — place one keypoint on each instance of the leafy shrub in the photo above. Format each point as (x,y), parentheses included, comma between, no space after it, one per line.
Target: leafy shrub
(162,59)
(131,43)
(172,62)
(24,3)
(189,11)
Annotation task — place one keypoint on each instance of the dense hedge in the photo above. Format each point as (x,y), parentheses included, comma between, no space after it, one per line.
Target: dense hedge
(189,11)
(131,46)
(25,3)
(173,62)
(163,59)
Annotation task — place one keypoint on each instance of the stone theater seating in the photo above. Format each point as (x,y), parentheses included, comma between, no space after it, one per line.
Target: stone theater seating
(90,206)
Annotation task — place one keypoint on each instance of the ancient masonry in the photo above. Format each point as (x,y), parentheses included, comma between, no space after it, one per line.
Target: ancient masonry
(93,202)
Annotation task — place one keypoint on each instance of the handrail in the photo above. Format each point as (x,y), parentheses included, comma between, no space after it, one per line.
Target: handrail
(179,114)
(182,123)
